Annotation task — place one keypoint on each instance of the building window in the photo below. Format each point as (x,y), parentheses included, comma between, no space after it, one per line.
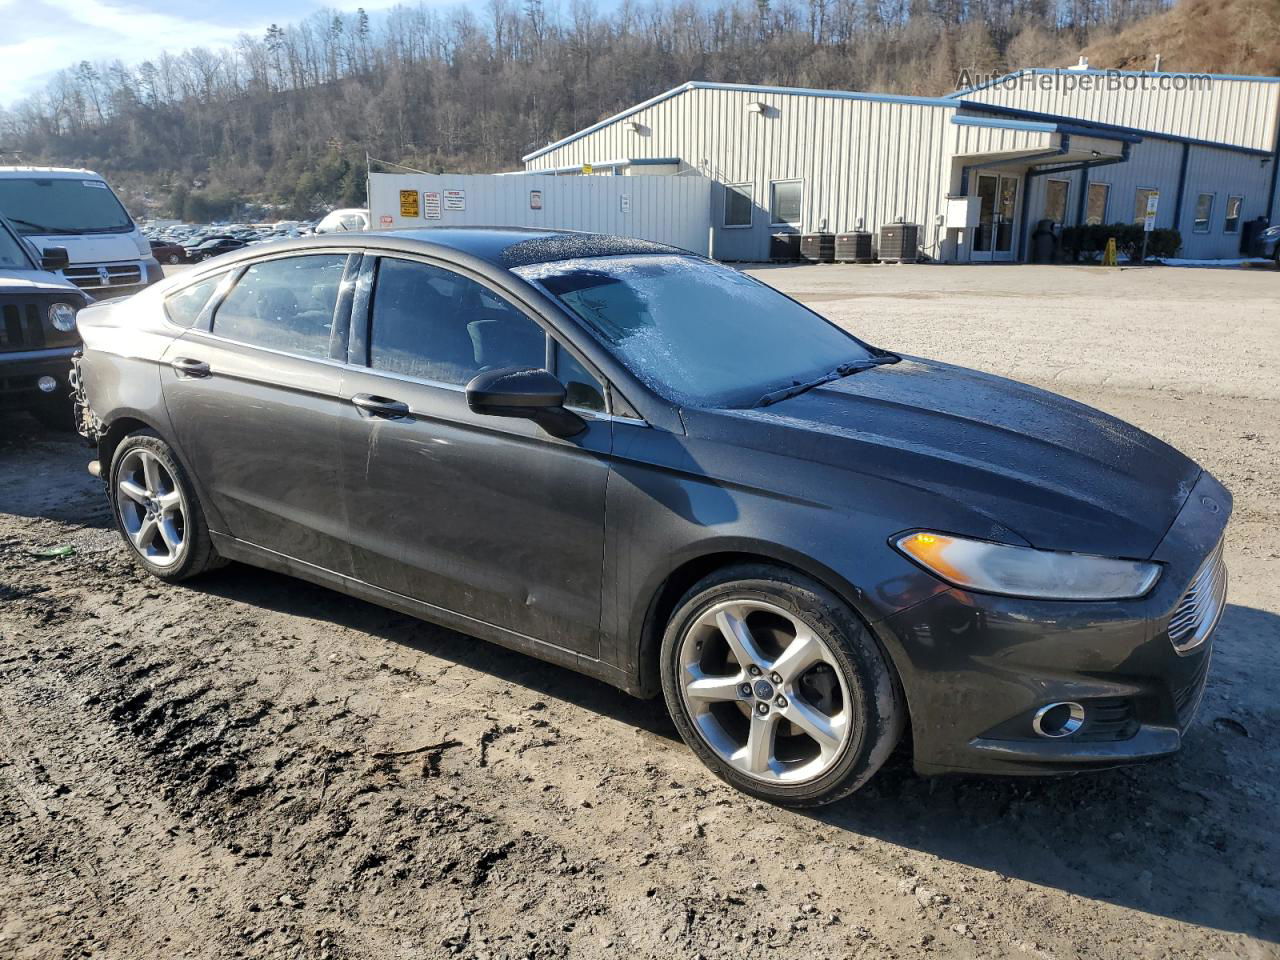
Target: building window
(1055,200)
(737,205)
(1232,223)
(784,202)
(1095,210)
(1204,213)
(1141,201)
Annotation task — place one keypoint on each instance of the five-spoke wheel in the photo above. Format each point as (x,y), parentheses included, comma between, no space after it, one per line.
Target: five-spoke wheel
(764,691)
(778,685)
(152,511)
(157,510)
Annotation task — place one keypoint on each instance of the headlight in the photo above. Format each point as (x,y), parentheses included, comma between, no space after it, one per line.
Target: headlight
(63,317)
(1027,572)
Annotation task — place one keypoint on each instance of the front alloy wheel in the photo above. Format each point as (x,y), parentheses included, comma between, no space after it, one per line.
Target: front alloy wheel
(778,686)
(764,691)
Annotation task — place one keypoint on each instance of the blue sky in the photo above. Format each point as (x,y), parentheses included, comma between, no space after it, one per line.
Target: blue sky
(40,37)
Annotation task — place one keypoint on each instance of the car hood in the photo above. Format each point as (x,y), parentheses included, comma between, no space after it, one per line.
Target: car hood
(34,282)
(92,248)
(1058,473)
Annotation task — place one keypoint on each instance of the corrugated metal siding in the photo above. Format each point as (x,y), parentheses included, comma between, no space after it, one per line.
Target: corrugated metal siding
(1239,112)
(868,160)
(1157,164)
(665,209)
(994,140)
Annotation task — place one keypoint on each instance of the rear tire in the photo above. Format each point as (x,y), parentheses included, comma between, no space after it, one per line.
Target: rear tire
(157,510)
(812,713)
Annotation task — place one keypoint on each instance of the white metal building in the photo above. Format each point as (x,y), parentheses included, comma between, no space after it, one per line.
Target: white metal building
(797,160)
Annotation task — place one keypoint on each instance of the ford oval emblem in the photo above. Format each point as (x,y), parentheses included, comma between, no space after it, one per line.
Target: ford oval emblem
(1211,504)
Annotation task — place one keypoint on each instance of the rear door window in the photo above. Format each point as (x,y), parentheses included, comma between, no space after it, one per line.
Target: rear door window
(286,304)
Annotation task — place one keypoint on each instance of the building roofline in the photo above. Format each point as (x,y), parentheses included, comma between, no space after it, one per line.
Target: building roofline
(1069,126)
(742,88)
(1094,72)
(1096,128)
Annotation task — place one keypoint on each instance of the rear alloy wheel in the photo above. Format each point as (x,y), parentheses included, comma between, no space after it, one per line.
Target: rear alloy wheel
(157,511)
(174,258)
(779,688)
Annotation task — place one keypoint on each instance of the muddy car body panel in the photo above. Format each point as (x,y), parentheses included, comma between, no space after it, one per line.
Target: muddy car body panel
(577,548)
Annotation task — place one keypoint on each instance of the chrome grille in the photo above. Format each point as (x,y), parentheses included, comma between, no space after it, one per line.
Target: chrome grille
(1197,612)
(109,275)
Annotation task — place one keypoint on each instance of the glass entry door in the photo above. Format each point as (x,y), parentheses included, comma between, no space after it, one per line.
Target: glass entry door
(997,206)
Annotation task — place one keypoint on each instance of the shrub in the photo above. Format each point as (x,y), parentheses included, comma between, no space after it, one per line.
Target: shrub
(1090,240)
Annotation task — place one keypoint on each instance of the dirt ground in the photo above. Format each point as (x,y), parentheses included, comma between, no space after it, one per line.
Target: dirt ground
(249,766)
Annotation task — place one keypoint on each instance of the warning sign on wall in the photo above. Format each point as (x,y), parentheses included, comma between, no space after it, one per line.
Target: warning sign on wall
(535,199)
(409,203)
(455,199)
(431,204)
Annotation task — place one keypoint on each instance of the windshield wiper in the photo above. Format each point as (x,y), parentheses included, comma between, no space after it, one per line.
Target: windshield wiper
(41,228)
(844,370)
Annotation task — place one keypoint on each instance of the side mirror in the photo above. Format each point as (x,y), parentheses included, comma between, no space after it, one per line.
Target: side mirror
(54,258)
(529,394)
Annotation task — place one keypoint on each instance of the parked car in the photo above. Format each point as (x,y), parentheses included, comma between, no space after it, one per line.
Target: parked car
(167,251)
(1270,243)
(649,467)
(213,247)
(37,330)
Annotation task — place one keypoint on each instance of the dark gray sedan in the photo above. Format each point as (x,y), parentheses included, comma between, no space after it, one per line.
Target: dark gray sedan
(656,470)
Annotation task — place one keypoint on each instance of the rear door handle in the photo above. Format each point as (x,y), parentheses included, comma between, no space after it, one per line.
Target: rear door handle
(380,406)
(186,367)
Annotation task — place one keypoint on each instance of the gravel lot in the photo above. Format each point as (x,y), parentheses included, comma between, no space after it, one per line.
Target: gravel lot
(249,766)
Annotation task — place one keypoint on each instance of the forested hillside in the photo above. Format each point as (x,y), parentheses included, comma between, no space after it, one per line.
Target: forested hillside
(289,116)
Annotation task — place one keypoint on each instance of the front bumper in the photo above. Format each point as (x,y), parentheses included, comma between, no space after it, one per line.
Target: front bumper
(976,669)
(20,369)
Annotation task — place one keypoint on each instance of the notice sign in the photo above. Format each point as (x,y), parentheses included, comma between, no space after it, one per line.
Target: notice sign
(1149,221)
(535,199)
(431,204)
(455,199)
(386,220)
(409,203)
(624,203)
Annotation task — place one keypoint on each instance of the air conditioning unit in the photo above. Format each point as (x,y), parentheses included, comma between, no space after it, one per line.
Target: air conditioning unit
(854,247)
(818,247)
(900,243)
(784,246)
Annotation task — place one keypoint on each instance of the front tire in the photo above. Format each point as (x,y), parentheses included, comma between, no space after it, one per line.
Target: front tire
(157,511)
(779,687)
(174,259)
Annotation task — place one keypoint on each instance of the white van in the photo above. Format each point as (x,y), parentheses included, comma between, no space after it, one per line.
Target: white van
(54,207)
(351,218)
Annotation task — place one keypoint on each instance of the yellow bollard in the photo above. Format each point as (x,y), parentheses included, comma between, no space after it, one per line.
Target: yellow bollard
(1109,255)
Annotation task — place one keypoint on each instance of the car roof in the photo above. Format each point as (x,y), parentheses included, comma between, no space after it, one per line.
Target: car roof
(504,247)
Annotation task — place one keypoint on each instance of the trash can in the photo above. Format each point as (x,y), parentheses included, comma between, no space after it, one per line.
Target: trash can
(1251,237)
(1044,243)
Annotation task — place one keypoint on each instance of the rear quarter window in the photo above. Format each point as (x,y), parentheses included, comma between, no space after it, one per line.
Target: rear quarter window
(183,307)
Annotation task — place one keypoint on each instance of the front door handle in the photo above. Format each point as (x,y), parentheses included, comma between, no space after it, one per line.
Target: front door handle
(380,406)
(186,367)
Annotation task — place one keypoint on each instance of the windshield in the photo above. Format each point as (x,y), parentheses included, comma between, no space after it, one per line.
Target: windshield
(12,255)
(698,333)
(60,206)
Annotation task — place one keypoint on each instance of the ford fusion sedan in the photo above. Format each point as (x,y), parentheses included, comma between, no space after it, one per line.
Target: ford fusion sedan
(653,469)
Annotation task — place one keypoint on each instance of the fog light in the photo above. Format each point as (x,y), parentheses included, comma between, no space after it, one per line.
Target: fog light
(47,384)
(1058,720)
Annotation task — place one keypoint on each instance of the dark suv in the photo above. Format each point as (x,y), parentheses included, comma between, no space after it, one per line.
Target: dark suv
(37,330)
